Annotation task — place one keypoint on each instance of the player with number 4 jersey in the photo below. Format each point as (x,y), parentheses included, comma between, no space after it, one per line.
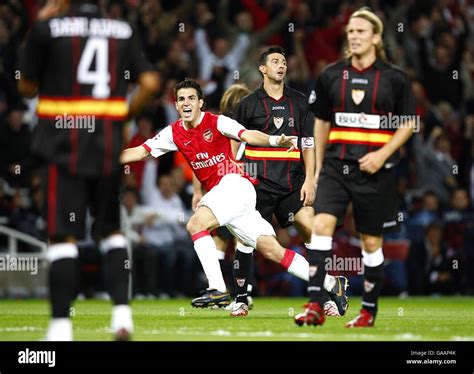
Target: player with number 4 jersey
(84,64)
(80,64)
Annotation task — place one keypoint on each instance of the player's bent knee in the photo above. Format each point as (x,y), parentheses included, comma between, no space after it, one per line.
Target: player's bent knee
(371,243)
(195,225)
(323,227)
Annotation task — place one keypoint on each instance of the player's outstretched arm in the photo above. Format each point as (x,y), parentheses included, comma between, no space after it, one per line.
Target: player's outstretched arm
(258,138)
(133,154)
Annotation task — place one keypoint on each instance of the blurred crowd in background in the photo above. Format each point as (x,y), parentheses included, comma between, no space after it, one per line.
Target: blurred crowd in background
(218,43)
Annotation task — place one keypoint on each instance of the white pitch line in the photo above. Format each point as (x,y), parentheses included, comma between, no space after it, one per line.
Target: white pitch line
(462,338)
(270,334)
(21,329)
(185,331)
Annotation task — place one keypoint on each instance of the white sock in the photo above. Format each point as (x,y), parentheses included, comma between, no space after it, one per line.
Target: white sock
(322,243)
(373,259)
(207,253)
(122,318)
(220,255)
(59,330)
(295,264)
(244,248)
(329,282)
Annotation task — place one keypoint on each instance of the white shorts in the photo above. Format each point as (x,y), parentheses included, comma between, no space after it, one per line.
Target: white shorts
(233,202)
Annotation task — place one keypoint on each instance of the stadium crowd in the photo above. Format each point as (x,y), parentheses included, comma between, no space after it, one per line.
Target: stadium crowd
(218,43)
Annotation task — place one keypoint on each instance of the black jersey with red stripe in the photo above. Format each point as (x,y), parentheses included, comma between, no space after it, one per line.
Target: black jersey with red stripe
(364,107)
(83,64)
(277,170)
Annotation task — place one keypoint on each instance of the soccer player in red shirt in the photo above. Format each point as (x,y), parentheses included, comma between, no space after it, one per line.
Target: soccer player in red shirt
(205,141)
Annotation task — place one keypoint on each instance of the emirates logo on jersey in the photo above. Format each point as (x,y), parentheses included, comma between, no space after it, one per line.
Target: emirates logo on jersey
(207,135)
(278,121)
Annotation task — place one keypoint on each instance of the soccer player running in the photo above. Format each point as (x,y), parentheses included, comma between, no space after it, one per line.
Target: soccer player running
(223,236)
(356,151)
(204,139)
(286,180)
(80,64)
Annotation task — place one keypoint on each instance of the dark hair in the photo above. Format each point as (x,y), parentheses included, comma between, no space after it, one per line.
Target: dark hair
(188,83)
(129,189)
(273,49)
(429,193)
(437,224)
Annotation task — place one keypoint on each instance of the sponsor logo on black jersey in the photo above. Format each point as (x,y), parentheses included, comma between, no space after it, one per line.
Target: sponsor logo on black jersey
(359,81)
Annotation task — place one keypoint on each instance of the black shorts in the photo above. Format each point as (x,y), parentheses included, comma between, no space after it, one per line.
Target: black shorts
(284,206)
(68,197)
(224,233)
(374,198)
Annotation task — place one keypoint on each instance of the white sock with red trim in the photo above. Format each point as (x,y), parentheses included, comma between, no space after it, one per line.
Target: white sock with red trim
(295,264)
(207,253)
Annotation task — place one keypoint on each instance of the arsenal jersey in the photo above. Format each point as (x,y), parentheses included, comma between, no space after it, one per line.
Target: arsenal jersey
(207,147)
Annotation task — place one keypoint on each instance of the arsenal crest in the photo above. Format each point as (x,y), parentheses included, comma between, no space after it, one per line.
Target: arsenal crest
(278,121)
(313,270)
(357,96)
(207,135)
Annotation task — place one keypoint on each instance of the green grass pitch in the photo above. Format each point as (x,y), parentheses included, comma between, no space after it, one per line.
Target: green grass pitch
(410,319)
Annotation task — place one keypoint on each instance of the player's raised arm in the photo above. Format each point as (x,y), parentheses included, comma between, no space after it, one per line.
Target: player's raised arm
(133,154)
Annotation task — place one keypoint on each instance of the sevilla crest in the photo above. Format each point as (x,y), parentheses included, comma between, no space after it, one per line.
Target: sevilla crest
(278,121)
(357,96)
(368,286)
(313,270)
